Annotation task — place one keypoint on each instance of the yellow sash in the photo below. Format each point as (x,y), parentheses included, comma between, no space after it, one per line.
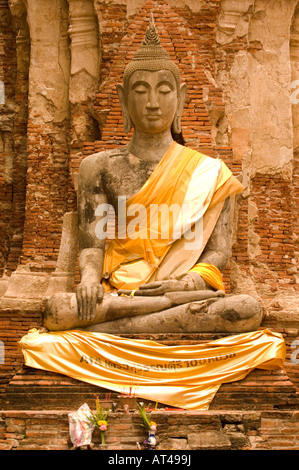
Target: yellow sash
(210,274)
(130,262)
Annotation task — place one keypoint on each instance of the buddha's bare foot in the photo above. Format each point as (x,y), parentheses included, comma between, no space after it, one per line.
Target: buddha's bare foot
(232,313)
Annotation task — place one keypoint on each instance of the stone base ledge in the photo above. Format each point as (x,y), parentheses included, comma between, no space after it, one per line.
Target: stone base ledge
(177,430)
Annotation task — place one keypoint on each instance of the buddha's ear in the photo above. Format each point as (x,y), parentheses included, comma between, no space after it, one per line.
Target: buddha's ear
(176,125)
(124,108)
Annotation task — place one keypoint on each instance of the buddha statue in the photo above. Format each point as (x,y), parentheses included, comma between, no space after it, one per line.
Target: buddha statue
(162,270)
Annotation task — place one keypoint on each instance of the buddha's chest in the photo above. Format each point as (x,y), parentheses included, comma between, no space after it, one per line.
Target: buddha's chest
(125,176)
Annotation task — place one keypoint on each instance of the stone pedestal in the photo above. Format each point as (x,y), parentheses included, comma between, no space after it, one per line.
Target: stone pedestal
(25,289)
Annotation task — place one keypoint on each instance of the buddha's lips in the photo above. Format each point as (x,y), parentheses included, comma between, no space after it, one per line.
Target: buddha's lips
(153,116)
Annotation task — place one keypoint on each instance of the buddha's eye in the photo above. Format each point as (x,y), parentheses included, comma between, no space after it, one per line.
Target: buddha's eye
(164,89)
(140,89)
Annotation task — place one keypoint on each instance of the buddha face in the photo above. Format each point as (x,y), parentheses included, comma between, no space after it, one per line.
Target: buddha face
(152,102)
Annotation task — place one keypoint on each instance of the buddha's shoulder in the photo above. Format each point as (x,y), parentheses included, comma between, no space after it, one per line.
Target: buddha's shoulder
(102,158)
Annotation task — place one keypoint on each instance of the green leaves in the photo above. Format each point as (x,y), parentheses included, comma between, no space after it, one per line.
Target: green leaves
(145,420)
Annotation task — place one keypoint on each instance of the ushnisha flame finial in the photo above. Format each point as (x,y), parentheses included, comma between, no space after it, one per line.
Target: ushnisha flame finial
(151,37)
(151,56)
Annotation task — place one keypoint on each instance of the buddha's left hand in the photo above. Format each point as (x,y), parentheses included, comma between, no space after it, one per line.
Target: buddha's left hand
(161,287)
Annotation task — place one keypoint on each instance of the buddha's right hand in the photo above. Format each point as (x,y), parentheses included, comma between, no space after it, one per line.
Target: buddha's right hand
(88,295)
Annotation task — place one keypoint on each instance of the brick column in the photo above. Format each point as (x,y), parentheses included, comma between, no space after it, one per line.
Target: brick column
(47,149)
(48,127)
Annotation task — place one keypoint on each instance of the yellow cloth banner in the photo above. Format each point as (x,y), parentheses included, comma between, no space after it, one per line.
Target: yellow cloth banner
(181,376)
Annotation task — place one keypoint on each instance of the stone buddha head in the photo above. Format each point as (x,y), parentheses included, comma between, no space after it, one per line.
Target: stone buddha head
(151,96)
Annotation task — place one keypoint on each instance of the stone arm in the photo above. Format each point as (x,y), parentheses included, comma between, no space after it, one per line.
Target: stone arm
(217,250)
(91,197)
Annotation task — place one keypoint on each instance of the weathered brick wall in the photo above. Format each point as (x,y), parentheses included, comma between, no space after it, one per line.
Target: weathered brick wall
(14,325)
(8,67)
(20,26)
(295,203)
(46,195)
(42,430)
(274,226)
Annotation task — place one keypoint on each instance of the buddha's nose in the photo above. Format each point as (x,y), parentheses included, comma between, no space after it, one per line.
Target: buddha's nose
(152,101)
